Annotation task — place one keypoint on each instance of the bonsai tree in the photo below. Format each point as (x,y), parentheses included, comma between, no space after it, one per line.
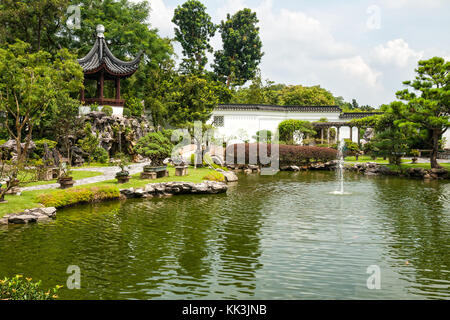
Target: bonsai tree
(123,163)
(415,153)
(155,146)
(65,179)
(65,172)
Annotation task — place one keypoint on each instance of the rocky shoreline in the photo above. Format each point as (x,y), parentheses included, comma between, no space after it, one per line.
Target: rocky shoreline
(149,191)
(29,216)
(368,169)
(174,188)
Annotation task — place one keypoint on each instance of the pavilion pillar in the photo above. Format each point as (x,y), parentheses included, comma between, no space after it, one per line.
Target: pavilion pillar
(102,85)
(321,135)
(338,132)
(117,89)
(351,134)
(359,138)
(328,136)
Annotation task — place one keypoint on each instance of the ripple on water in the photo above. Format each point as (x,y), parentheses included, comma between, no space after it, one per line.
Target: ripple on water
(282,237)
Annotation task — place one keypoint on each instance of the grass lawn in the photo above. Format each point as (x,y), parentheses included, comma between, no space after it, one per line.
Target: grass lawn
(77,175)
(405,166)
(363,159)
(28,198)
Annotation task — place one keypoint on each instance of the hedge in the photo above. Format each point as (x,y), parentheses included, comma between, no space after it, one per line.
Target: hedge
(68,197)
(288,154)
(215,176)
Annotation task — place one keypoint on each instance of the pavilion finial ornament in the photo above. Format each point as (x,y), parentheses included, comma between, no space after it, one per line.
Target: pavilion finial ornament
(100,31)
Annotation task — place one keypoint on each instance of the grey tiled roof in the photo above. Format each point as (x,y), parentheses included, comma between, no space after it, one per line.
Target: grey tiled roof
(100,56)
(255,107)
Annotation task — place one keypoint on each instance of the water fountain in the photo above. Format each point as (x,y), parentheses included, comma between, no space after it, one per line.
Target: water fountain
(340,169)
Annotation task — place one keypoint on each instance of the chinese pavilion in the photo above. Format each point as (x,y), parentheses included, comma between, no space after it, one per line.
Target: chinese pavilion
(100,64)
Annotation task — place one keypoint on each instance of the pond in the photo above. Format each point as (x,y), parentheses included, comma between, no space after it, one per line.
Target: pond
(270,237)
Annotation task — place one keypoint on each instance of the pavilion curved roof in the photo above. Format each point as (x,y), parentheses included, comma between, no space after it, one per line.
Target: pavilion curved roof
(100,57)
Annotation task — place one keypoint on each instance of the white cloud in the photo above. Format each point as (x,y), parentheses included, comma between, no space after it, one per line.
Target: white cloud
(398,4)
(161,17)
(311,44)
(359,69)
(396,52)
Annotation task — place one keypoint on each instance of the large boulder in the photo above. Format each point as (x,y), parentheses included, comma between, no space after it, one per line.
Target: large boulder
(230,176)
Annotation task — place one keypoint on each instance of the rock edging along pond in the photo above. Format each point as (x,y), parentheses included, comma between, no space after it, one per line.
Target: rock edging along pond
(30,215)
(175,188)
(149,191)
(375,169)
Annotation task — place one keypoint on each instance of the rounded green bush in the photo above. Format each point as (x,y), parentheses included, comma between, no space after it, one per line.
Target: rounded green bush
(155,146)
(108,110)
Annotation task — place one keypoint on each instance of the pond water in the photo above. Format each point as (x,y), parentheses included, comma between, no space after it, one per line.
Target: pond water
(274,237)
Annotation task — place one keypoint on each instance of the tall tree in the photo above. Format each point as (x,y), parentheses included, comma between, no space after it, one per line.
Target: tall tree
(194,30)
(428,103)
(33,21)
(191,99)
(30,83)
(238,61)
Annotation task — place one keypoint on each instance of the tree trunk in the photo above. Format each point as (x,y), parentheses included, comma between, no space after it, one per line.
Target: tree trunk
(434,152)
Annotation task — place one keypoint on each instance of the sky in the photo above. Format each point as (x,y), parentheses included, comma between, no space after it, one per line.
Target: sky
(356,49)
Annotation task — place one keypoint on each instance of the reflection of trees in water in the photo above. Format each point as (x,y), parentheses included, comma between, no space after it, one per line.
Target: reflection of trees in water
(240,243)
(419,218)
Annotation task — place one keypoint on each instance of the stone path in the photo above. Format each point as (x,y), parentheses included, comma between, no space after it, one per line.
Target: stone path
(108,173)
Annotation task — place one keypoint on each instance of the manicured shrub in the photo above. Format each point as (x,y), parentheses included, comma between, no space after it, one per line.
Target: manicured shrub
(64,198)
(18,288)
(93,107)
(155,146)
(215,176)
(126,112)
(288,154)
(108,110)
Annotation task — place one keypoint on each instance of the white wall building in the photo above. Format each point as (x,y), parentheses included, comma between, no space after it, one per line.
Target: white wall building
(243,121)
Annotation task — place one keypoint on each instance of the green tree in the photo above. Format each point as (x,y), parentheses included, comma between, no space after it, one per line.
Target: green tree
(155,146)
(264,136)
(194,30)
(287,130)
(238,61)
(427,105)
(127,31)
(35,22)
(391,139)
(90,142)
(30,83)
(306,96)
(191,99)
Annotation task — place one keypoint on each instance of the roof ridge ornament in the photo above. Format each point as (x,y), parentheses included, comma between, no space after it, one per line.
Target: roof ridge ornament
(100,31)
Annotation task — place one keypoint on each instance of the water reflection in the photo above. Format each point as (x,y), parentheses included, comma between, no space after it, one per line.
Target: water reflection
(418,221)
(270,237)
